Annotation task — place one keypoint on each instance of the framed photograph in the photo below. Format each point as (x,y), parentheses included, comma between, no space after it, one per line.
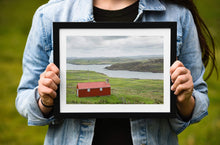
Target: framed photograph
(113,70)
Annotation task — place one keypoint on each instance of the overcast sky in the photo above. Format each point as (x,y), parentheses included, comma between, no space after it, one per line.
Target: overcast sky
(113,46)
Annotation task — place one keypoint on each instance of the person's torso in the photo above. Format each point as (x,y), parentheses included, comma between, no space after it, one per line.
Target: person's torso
(80,132)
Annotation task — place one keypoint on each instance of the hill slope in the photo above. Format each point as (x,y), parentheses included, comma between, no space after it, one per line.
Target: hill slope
(152,65)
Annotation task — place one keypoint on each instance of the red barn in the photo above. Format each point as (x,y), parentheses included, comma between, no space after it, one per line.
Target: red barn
(92,89)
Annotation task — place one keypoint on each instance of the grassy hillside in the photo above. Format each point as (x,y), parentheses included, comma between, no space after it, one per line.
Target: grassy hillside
(152,65)
(123,91)
(15,22)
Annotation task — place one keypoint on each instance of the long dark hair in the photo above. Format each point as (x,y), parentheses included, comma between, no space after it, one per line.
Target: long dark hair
(205,37)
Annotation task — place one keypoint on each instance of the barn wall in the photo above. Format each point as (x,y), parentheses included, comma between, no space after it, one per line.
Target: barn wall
(94,92)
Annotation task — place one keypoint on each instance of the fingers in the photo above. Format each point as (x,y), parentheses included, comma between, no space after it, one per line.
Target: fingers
(184,87)
(179,71)
(175,65)
(46,91)
(181,78)
(47,84)
(52,67)
(53,76)
(47,94)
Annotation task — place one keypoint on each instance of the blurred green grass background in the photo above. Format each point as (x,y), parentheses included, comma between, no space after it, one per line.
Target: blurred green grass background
(15,23)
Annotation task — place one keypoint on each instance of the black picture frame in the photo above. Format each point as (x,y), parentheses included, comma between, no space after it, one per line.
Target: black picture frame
(65,32)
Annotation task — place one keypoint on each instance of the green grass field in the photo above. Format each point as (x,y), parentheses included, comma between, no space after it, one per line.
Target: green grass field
(15,23)
(123,91)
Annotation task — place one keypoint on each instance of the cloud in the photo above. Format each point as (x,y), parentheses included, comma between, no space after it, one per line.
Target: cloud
(113,46)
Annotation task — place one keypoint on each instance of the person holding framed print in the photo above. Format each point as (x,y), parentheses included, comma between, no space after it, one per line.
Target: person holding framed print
(40,79)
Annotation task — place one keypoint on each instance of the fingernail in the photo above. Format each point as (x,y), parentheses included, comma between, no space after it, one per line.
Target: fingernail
(172,88)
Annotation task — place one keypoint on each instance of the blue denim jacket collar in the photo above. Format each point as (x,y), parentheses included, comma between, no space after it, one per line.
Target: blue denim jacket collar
(151,5)
(144,5)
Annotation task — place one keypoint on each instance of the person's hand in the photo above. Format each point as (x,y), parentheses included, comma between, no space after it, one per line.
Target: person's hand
(47,86)
(183,87)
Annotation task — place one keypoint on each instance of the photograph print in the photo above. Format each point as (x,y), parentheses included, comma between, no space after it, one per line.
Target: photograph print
(114,69)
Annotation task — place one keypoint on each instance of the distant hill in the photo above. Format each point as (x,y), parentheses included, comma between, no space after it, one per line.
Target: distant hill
(152,65)
(109,60)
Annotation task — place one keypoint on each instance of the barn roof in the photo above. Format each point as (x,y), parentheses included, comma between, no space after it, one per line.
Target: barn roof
(90,85)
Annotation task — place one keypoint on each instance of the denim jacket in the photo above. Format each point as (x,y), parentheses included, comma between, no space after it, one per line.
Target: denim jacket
(39,53)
